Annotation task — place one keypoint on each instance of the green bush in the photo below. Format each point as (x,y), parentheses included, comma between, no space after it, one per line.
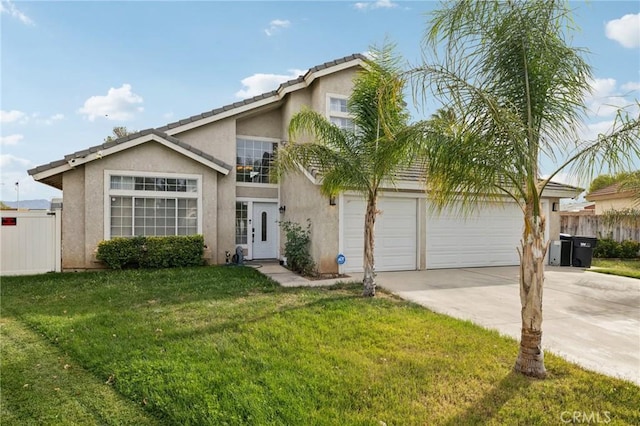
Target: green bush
(152,252)
(629,249)
(297,247)
(608,248)
(120,252)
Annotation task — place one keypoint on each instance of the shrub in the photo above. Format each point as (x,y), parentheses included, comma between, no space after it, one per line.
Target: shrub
(606,248)
(120,252)
(297,247)
(629,249)
(152,252)
(609,248)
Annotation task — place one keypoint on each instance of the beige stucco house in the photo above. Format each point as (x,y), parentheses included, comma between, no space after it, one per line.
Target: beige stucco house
(210,174)
(613,198)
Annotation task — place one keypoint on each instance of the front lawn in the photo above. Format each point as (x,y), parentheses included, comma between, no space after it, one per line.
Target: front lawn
(225,345)
(622,267)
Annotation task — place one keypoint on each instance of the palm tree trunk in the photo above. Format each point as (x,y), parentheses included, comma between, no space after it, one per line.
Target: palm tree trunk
(530,361)
(369,268)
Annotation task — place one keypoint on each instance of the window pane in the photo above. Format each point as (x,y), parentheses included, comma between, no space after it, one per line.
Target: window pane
(338,105)
(254,160)
(241,222)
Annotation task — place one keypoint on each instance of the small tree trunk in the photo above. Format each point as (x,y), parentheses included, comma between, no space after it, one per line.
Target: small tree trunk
(369,266)
(530,361)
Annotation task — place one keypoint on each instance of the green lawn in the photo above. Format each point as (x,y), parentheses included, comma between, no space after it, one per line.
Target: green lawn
(625,268)
(224,345)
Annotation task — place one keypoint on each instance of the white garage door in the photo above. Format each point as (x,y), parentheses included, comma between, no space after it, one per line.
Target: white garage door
(489,237)
(395,234)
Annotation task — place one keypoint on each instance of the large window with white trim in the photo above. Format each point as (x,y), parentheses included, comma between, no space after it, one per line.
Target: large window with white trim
(254,160)
(153,205)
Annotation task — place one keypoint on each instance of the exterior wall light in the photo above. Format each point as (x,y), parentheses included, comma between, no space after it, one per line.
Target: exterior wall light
(332,201)
(282,209)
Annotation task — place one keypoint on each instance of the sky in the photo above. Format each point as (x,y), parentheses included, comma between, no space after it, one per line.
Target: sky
(71,71)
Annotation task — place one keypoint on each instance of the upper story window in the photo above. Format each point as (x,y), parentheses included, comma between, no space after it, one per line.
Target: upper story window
(254,160)
(338,112)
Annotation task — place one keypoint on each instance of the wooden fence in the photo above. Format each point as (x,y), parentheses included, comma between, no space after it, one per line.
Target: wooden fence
(596,226)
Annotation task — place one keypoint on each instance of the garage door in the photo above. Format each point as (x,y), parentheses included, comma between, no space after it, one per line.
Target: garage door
(489,237)
(395,234)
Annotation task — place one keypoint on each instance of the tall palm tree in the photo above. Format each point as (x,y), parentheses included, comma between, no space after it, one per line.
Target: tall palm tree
(512,90)
(361,158)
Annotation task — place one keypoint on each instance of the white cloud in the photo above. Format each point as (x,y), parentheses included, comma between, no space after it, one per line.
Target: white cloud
(11,116)
(167,115)
(379,4)
(49,121)
(7,6)
(276,25)
(625,30)
(591,131)
(11,139)
(9,159)
(118,104)
(261,83)
(631,86)
(606,99)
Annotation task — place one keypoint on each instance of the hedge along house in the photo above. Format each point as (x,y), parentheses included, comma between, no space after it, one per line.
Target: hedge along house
(211,174)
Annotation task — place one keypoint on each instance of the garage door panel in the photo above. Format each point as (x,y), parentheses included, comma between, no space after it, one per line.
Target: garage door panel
(395,234)
(489,238)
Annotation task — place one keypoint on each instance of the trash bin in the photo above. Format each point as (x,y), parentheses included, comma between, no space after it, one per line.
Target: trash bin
(566,243)
(583,251)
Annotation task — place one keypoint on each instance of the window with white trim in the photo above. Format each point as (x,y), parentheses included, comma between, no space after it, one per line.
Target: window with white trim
(153,205)
(254,160)
(242,216)
(338,112)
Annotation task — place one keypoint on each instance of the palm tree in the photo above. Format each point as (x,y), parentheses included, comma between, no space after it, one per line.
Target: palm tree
(513,93)
(361,158)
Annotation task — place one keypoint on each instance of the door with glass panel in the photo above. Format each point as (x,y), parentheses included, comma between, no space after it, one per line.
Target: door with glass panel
(264,230)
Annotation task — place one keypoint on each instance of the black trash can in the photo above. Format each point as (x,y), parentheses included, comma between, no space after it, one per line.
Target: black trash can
(583,251)
(566,246)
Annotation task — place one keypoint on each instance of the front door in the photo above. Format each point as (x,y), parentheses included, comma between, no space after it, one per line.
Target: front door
(265,230)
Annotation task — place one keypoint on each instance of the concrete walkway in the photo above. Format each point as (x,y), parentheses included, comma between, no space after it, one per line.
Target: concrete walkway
(590,319)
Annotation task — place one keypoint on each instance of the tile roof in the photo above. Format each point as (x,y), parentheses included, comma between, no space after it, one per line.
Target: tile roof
(265,95)
(611,191)
(124,139)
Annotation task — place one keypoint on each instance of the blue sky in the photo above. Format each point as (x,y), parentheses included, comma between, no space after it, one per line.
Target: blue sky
(71,71)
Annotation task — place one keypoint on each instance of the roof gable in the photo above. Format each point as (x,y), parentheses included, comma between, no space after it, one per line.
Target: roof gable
(42,173)
(273,96)
(48,173)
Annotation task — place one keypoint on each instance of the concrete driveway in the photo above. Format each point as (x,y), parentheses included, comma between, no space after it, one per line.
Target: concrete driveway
(588,318)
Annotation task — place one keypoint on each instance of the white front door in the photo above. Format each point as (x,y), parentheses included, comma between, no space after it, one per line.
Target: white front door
(264,231)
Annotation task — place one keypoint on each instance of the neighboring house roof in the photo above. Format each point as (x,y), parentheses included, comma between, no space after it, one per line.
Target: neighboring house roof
(578,206)
(51,173)
(609,192)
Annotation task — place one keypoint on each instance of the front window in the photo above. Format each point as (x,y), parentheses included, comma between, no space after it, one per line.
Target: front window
(153,205)
(254,160)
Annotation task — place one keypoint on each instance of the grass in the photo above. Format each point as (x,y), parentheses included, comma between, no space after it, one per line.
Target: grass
(224,345)
(623,267)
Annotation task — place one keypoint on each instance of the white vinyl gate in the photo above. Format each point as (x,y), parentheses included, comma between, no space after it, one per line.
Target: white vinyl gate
(30,242)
